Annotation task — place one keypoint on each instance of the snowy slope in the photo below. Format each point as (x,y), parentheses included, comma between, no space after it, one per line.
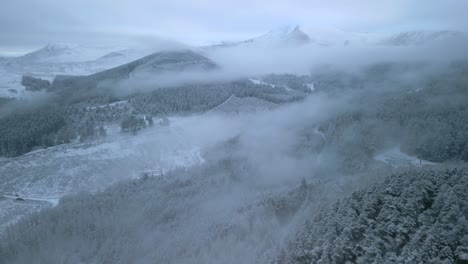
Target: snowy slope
(288,36)
(10,84)
(396,158)
(72,167)
(146,69)
(293,36)
(61,59)
(64,52)
(43,176)
(333,37)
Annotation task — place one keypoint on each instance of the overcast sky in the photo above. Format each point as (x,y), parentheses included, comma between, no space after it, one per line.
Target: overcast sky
(25,24)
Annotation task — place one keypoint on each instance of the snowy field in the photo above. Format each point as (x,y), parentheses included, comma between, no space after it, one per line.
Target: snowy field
(10,84)
(396,158)
(60,59)
(41,177)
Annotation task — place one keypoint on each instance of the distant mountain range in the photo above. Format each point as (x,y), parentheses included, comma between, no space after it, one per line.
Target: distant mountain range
(293,36)
(56,59)
(57,53)
(61,59)
(80,60)
(62,52)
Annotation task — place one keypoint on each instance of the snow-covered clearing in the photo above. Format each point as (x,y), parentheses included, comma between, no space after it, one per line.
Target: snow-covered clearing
(396,158)
(46,175)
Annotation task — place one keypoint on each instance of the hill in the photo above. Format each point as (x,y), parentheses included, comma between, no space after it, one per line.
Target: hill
(148,66)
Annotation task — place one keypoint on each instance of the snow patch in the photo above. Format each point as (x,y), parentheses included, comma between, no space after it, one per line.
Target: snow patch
(258,82)
(396,158)
(311,86)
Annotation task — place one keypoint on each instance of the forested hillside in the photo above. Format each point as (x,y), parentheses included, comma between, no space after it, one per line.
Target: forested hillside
(190,132)
(427,118)
(41,125)
(23,130)
(413,216)
(268,193)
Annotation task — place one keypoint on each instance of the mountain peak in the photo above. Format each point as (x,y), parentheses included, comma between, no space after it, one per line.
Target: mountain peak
(61,52)
(51,52)
(281,36)
(284,35)
(59,46)
(284,30)
(287,34)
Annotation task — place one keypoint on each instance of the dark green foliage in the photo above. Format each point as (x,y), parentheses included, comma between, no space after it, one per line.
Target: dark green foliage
(5,101)
(438,129)
(79,88)
(428,119)
(34,84)
(132,123)
(102,131)
(101,110)
(23,130)
(203,97)
(85,116)
(88,130)
(65,134)
(150,120)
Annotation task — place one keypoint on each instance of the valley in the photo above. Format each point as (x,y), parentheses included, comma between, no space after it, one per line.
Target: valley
(295,146)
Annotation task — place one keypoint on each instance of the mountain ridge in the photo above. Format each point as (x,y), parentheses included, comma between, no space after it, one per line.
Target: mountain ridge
(150,65)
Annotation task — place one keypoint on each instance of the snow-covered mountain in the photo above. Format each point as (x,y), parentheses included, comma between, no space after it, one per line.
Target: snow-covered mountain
(288,36)
(283,36)
(79,60)
(423,37)
(61,59)
(151,65)
(64,52)
(293,36)
(124,55)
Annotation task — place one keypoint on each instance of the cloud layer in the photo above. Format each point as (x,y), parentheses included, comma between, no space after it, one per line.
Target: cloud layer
(36,22)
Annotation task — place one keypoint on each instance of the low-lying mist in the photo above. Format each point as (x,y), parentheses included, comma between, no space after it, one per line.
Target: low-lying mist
(252,60)
(249,61)
(261,175)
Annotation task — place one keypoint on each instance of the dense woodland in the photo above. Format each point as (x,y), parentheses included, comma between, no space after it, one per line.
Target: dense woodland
(414,216)
(25,130)
(198,98)
(21,131)
(429,117)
